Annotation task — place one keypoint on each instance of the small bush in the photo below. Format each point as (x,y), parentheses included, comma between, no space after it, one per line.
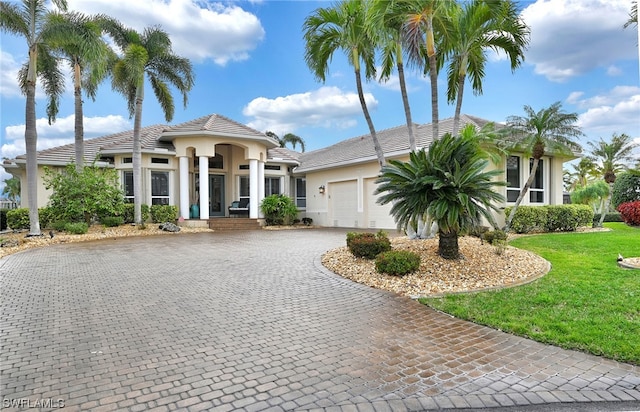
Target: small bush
(630,212)
(397,262)
(608,217)
(77,228)
(493,235)
(499,246)
(567,218)
(59,225)
(278,210)
(128,213)
(112,221)
(368,245)
(528,218)
(18,218)
(164,213)
(307,221)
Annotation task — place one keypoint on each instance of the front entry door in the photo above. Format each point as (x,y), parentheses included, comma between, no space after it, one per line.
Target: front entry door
(216,195)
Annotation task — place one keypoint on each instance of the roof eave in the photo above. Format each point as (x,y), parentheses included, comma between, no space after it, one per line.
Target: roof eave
(170,136)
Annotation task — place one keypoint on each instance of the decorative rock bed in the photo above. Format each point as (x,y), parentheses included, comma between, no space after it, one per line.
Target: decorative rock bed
(630,263)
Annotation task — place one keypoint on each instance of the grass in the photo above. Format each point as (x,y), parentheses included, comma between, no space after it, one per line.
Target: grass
(586,302)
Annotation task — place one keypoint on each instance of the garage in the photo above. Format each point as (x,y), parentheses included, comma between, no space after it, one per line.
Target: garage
(343,203)
(378,216)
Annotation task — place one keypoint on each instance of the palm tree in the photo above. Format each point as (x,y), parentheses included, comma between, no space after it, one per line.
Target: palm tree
(11,189)
(633,15)
(388,34)
(80,44)
(31,21)
(291,138)
(612,158)
(146,55)
(477,26)
(421,21)
(344,27)
(449,182)
(549,128)
(582,173)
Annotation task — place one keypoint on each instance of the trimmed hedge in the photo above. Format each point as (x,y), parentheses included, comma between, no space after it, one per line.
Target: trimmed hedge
(630,212)
(397,262)
(164,213)
(128,213)
(76,228)
(112,221)
(18,219)
(626,188)
(550,218)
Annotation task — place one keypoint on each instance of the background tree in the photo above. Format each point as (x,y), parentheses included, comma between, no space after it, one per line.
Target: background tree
(288,138)
(633,15)
(30,20)
(582,174)
(11,189)
(449,182)
(477,26)
(79,42)
(344,27)
(549,129)
(612,158)
(147,55)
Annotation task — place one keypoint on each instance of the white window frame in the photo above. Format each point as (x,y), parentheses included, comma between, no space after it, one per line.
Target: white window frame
(298,197)
(267,185)
(520,179)
(168,195)
(542,168)
(127,199)
(240,195)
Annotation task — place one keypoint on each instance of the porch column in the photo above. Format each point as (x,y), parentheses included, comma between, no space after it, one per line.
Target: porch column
(203,162)
(184,187)
(260,186)
(253,188)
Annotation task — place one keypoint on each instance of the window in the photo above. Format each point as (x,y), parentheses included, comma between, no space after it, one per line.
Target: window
(127,186)
(160,160)
(244,187)
(536,191)
(243,167)
(301,192)
(127,160)
(271,186)
(159,188)
(513,178)
(271,167)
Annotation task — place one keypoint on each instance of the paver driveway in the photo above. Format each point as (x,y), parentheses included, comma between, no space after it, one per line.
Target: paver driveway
(251,321)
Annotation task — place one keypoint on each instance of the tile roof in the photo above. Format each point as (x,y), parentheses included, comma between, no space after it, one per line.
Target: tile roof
(290,156)
(393,141)
(215,123)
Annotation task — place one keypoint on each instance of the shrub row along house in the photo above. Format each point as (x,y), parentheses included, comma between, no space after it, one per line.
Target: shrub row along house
(204,165)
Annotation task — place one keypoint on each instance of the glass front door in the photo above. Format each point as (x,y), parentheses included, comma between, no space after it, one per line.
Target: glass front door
(216,195)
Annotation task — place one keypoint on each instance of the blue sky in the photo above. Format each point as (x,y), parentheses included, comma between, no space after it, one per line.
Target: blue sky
(249,64)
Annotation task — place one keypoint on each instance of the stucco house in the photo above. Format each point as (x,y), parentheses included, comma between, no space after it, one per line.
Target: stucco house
(212,161)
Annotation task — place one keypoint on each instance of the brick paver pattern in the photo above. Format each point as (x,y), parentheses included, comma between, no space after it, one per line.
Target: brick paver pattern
(251,321)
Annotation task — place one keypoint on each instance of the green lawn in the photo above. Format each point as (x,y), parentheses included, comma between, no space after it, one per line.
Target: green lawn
(586,302)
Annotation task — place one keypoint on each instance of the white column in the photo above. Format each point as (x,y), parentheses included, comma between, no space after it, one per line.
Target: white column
(203,162)
(253,188)
(260,186)
(184,187)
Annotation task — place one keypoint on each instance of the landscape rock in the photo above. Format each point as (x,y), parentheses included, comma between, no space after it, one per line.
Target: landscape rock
(169,227)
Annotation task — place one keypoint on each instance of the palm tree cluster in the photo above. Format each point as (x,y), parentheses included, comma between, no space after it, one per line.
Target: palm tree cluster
(429,33)
(58,35)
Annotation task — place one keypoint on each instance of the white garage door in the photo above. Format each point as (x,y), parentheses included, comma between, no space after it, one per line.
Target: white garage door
(343,203)
(378,216)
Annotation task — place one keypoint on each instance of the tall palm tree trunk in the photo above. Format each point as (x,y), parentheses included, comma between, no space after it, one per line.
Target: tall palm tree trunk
(523,192)
(433,74)
(607,205)
(137,156)
(405,102)
(78,121)
(31,145)
(448,245)
(372,130)
(456,117)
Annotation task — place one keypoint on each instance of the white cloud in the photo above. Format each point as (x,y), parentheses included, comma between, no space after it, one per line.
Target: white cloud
(617,111)
(572,37)
(60,133)
(199,30)
(613,71)
(325,107)
(9,68)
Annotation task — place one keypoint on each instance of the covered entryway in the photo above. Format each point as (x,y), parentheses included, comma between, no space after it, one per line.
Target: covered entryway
(216,196)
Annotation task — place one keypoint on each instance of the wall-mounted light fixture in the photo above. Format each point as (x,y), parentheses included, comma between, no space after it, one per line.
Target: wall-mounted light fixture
(321,189)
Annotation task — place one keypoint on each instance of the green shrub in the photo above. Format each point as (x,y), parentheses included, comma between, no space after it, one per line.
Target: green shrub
(626,188)
(18,218)
(77,228)
(397,262)
(278,210)
(164,213)
(128,213)
(112,221)
(46,216)
(567,218)
(527,218)
(368,245)
(493,235)
(59,225)
(608,217)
